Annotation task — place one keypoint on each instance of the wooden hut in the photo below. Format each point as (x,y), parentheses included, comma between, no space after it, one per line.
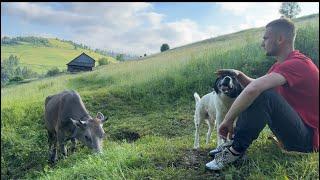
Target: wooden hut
(81,63)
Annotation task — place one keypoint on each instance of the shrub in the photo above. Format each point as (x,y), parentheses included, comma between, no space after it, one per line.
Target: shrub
(16,79)
(103,61)
(54,71)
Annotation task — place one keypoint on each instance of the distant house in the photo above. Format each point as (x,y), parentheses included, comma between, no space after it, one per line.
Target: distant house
(81,63)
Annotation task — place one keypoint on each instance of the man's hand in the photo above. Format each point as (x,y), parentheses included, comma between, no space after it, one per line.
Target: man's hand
(225,129)
(230,72)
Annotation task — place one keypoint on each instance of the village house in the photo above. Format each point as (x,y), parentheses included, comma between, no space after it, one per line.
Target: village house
(81,63)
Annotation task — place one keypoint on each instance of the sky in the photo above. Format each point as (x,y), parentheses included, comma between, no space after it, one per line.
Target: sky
(137,27)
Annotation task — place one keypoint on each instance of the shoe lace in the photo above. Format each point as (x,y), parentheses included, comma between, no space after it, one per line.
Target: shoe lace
(223,157)
(224,145)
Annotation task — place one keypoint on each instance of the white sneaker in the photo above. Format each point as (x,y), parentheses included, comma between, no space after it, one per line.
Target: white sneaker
(220,148)
(222,159)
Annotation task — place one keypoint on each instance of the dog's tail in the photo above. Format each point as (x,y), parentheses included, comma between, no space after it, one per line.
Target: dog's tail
(196,97)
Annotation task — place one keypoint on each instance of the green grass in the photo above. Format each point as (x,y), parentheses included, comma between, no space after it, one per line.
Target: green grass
(41,58)
(152,98)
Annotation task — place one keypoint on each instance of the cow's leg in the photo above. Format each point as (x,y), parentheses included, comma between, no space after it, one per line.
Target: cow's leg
(73,144)
(61,142)
(52,140)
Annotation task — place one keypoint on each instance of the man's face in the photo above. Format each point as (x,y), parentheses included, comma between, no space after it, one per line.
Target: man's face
(270,43)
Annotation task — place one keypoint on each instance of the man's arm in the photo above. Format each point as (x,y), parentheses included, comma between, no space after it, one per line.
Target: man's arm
(248,95)
(244,79)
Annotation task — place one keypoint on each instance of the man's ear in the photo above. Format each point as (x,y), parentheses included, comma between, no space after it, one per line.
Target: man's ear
(281,38)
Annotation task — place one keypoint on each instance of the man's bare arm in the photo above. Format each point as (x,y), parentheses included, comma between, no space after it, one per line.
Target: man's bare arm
(244,79)
(246,98)
(252,91)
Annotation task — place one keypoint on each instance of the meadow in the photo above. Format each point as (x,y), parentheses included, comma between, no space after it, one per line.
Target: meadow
(150,106)
(42,58)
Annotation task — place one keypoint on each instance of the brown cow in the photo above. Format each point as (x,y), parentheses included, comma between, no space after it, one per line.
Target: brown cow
(66,118)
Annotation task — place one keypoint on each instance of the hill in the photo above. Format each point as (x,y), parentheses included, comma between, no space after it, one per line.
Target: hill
(47,53)
(150,106)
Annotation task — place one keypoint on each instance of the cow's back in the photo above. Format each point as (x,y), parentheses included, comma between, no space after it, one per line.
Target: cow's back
(60,107)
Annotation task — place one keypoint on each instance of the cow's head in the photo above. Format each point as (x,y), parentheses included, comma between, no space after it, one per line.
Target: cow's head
(90,132)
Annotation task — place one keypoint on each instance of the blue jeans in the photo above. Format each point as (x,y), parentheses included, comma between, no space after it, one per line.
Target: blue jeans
(285,123)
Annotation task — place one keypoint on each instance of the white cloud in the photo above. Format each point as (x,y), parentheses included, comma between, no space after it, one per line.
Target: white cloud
(125,27)
(308,8)
(236,8)
(254,14)
(135,27)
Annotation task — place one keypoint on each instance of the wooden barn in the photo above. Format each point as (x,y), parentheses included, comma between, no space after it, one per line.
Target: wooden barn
(81,63)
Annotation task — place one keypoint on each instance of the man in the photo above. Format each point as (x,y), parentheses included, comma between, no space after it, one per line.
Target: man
(286,99)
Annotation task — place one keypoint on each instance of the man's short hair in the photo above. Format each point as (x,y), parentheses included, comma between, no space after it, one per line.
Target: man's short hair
(285,27)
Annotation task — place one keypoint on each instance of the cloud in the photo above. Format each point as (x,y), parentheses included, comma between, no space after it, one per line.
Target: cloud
(255,14)
(134,28)
(236,8)
(42,13)
(147,39)
(125,27)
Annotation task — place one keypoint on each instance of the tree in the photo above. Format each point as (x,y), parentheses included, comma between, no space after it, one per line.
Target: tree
(11,70)
(120,57)
(145,55)
(164,47)
(290,9)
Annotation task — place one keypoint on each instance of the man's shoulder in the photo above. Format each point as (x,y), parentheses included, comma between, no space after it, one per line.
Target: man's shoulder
(296,62)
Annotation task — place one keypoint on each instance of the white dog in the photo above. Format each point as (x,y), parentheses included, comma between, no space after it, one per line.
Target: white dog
(214,106)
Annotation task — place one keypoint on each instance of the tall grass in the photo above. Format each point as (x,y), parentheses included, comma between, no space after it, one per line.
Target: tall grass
(153,98)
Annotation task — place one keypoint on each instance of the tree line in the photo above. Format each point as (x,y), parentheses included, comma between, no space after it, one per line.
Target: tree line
(12,70)
(30,39)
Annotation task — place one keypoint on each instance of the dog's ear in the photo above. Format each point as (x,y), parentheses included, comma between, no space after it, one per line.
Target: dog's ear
(215,85)
(237,89)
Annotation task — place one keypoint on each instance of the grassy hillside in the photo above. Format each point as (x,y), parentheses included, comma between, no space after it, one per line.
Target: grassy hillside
(42,58)
(150,106)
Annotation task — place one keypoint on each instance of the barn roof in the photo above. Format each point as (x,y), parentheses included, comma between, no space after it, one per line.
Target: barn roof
(83,60)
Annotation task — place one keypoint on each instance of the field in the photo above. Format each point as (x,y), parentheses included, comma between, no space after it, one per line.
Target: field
(150,106)
(41,58)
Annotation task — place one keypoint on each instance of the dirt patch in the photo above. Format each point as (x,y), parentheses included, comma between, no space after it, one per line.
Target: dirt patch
(194,162)
(128,135)
(194,159)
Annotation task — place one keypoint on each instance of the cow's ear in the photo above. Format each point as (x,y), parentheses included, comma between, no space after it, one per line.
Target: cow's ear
(101,117)
(78,123)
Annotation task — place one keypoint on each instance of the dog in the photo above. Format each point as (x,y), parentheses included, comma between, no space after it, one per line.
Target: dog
(214,106)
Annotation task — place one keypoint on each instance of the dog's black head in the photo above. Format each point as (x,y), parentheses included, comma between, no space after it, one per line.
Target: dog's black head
(227,85)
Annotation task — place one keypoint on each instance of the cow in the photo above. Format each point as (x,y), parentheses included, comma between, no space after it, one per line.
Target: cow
(66,118)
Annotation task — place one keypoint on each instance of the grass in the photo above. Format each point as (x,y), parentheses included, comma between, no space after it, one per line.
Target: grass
(151,100)
(41,58)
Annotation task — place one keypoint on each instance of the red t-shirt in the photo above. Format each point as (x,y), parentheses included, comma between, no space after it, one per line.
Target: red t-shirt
(302,89)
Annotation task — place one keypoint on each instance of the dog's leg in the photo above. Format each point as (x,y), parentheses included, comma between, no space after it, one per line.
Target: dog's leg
(197,126)
(210,123)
